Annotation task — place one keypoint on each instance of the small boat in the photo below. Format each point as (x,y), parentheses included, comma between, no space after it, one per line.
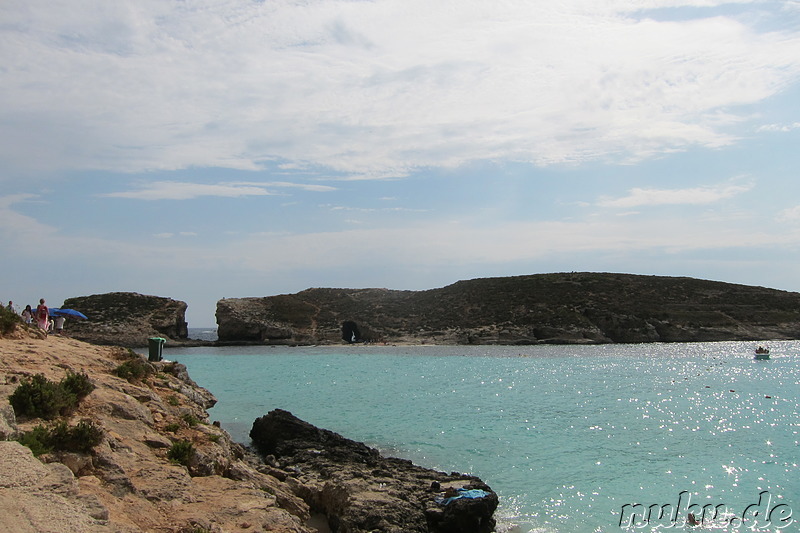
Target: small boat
(762,353)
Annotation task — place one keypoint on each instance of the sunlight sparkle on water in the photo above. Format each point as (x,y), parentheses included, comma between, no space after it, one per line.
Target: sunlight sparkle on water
(667,414)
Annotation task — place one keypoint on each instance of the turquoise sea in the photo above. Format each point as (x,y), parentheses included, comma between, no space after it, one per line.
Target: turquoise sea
(570,437)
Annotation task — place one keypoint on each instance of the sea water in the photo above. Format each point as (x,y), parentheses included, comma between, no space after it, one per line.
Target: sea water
(570,437)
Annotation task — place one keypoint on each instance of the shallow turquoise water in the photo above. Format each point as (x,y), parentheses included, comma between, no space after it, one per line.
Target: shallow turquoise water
(567,435)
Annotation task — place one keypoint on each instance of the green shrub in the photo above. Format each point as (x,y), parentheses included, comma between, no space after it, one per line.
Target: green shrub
(78,384)
(80,438)
(172,427)
(39,397)
(8,321)
(190,420)
(173,401)
(134,369)
(181,452)
(37,440)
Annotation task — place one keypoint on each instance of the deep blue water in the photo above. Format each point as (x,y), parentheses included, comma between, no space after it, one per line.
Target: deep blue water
(566,435)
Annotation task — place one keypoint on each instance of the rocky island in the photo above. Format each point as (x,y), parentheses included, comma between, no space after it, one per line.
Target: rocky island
(127,318)
(560,308)
(563,308)
(126,446)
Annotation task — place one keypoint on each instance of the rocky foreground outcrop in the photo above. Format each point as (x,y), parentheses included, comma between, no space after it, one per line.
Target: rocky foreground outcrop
(564,308)
(132,483)
(126,318)
(363,491)
(127,483)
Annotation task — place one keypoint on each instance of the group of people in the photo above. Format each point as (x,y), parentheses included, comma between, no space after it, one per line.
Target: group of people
(40,317)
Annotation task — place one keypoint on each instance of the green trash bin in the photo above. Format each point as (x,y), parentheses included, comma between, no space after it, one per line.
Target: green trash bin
(155,344)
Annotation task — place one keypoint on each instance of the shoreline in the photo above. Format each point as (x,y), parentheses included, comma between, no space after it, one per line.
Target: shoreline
(127,484)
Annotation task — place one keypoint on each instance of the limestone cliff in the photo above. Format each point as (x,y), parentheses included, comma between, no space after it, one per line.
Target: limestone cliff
(543,308)
(126,318)
(127,484)
(132,482)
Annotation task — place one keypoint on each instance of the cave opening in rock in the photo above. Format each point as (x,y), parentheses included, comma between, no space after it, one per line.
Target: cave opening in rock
(350,332)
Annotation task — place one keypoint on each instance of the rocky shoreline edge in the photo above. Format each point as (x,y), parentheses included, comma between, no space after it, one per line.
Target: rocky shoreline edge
(131,481)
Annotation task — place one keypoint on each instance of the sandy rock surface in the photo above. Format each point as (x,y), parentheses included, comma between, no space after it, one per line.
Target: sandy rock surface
(127,484)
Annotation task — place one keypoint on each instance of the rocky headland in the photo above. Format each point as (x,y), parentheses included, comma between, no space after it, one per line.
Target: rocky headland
(126,318)
(360,490)
(160,465)
(563,308)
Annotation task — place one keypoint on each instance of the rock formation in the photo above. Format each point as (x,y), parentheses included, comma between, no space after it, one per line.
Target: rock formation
(359,490)
(133,482)
(127,484)
(545,308)
(126,318)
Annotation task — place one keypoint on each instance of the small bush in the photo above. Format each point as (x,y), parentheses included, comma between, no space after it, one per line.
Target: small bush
(134,369)
(190,420)
(173,401)
(172,427)
(39,397)
(80,438)
(78,384)
(37,440)
(181,452)
(8,321)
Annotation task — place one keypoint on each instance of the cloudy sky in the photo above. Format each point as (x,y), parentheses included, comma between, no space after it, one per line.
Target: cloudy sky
(209,149)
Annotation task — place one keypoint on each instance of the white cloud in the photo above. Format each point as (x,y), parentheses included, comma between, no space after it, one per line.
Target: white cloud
(169,235)
(791,214)
(783,128)
(242,261)
(375,209)
(304,186)
(373,89)
(176,190)
(454,244)
(638,197)
(25,231)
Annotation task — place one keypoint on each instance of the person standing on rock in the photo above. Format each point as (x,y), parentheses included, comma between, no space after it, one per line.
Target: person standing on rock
(59,324)
(27,315)
(42,316)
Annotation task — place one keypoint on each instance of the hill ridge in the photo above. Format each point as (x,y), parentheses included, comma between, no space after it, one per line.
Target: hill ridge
(565,307)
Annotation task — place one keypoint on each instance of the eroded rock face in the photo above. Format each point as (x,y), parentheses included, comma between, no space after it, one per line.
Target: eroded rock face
(37,497)
(562,308)
(126,318)
(127,483)
(262,320)
(361,491)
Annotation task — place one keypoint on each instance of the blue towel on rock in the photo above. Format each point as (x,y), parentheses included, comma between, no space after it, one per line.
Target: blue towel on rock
(463,493)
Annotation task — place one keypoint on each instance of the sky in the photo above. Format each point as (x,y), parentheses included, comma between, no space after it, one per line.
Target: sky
(217,149)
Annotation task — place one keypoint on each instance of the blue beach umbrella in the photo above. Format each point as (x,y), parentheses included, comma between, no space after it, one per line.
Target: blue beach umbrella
(71,313)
